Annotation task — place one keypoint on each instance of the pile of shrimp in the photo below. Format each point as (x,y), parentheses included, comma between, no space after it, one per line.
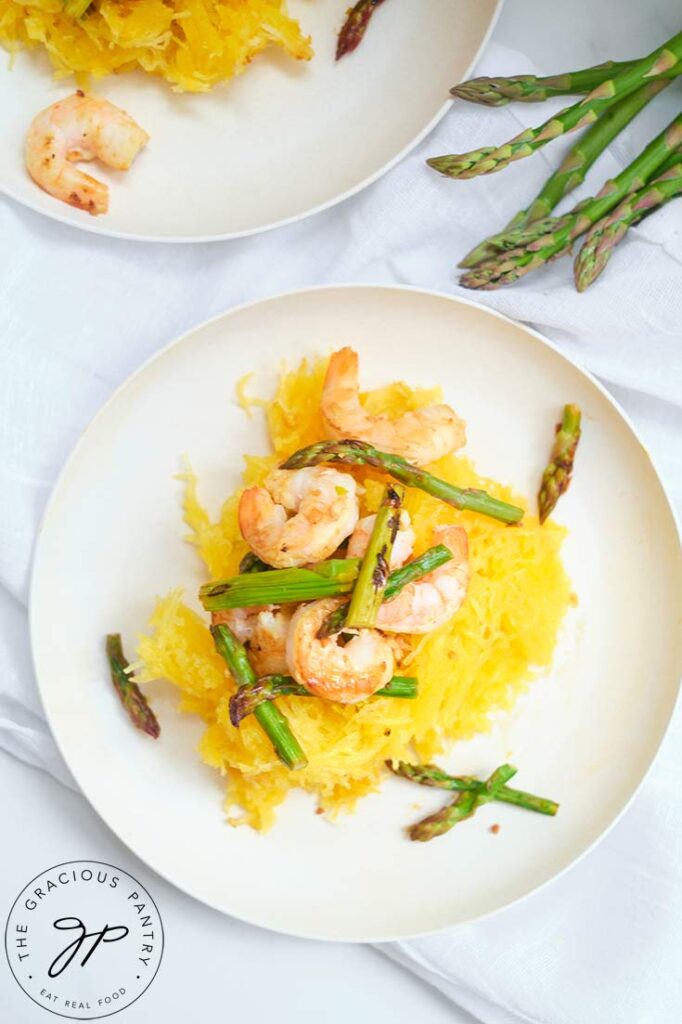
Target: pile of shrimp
(192,44)
(474,633)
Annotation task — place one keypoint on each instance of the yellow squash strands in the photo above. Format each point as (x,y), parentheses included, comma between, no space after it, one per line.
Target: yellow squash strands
(477,663)
(193,44)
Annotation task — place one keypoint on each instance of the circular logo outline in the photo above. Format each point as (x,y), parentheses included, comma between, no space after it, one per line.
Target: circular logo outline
(64,864)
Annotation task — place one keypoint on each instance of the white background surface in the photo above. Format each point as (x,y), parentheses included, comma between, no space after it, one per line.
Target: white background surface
(213,965)
(213,968)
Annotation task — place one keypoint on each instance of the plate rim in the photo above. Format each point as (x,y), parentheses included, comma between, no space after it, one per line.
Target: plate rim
(160,353)
(92,226)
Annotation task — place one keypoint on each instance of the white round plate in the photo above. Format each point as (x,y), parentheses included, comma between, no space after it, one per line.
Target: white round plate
(284,140)
(585,733)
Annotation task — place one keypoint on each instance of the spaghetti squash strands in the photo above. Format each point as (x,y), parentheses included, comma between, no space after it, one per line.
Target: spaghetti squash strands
(193,44)
(477,663)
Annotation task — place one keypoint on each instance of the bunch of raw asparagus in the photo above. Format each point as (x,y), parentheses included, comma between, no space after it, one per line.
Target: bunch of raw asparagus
(616,93)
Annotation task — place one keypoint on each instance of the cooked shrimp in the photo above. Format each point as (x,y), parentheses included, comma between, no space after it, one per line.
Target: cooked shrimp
(402,546)
(80,127)
(263,631)
(421,436)
(431,601)
(325,506)
(344,674)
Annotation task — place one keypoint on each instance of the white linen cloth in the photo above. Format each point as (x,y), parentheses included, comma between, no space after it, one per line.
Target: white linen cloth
(79,313)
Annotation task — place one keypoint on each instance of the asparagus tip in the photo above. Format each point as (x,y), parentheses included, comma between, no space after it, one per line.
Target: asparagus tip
(438,163)
(131,696)
(558,473)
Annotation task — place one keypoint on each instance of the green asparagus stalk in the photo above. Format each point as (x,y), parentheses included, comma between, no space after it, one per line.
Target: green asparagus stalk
(355,26)
(667,58)
(571,172)
(542,241)
(281,586)
(462,807)
(672,161)
(271,720)
(401,687)
(368,592)
(528,801)
(247,698)
(603,237)
(559,470)
(326,579)
(430,775)
(131,696)
(499,778)
(431,559)
(497,92)
(357,453)
(245,701)
(412,571)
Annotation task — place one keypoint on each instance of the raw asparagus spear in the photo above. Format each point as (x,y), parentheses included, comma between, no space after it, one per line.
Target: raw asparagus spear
(132,697)
(572,170)
(355,26)
(559,469)
(368,592)
(672,161)
(602,238)
(542,241)
(667,58)
(357,453)
(496,92)
(245,701)
(271,720)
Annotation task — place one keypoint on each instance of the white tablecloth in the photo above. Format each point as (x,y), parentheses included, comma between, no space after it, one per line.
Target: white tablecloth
(79,313)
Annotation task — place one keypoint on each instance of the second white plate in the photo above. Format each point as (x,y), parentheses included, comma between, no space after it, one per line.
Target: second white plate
(282,141)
